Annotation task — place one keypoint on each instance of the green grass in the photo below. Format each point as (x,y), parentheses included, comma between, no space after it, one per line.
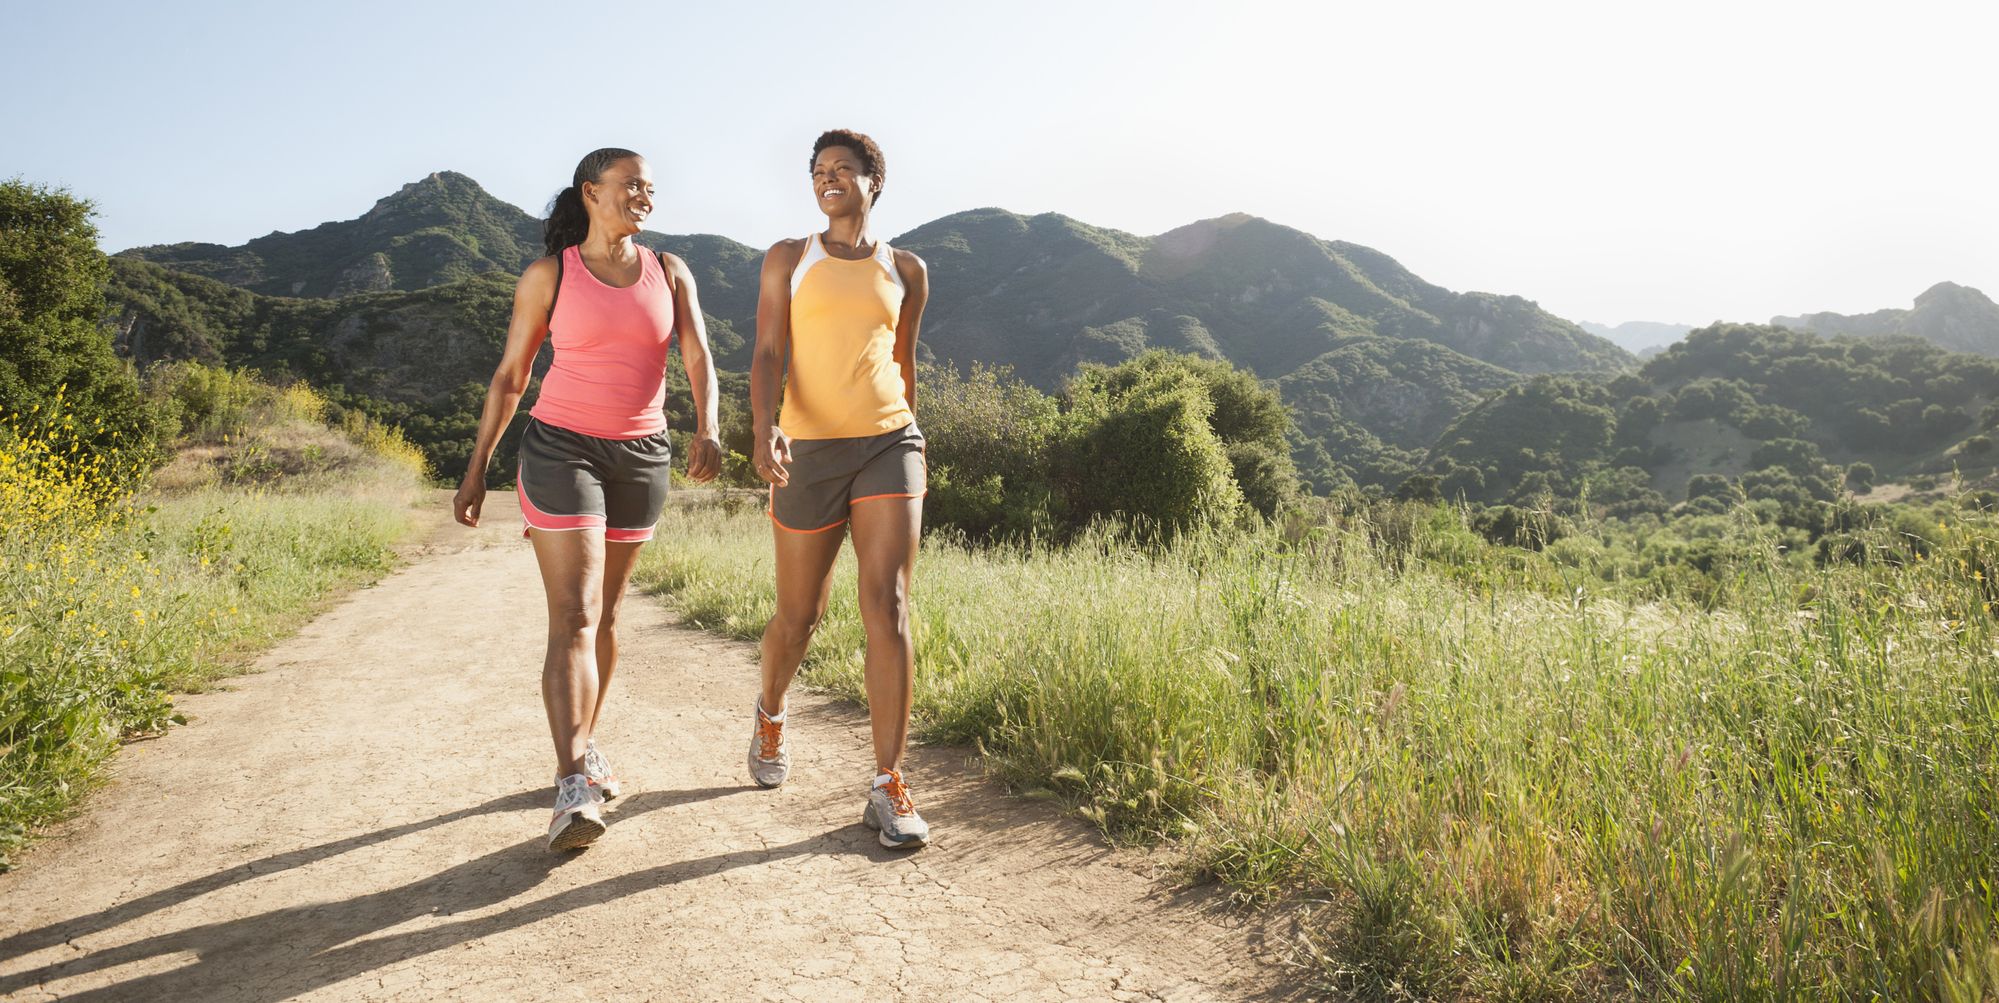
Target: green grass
(110,603)
(1482,787)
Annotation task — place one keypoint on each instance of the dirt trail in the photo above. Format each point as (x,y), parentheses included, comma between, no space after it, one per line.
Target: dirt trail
(362,820)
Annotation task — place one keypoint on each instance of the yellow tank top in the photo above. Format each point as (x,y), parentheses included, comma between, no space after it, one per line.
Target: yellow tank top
(843,380)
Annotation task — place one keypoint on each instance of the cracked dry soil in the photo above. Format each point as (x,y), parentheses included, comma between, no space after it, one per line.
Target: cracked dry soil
(362,819)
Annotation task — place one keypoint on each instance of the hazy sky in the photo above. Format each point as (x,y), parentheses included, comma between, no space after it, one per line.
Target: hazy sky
(1670,162)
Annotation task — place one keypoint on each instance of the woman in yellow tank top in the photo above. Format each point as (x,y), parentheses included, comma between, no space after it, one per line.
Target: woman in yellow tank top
(837,318)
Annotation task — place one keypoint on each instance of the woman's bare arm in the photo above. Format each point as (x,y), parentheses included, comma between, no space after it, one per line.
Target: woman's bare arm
(534,294)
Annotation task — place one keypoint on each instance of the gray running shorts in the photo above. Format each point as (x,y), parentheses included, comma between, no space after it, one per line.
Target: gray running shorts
(829,475)
(570,481)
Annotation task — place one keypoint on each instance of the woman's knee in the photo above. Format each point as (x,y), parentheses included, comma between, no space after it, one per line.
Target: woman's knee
(795,626)
(576,617)
(885,605)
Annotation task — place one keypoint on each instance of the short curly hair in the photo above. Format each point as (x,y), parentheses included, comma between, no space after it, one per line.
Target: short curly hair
(873,164)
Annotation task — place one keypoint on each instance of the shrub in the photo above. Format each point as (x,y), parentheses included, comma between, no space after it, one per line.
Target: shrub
(1512,526)
(988,452)
(1860,478)
(1795,455)
(1143,452)
(1247,417)
(1425,489)
(52,339)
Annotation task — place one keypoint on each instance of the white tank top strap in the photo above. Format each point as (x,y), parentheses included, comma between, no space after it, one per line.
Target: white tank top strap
(814,252)
(886,258)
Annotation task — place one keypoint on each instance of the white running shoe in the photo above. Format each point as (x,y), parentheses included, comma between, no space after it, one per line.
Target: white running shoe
(598,769)
(892,812)
(577,822)
(770,756)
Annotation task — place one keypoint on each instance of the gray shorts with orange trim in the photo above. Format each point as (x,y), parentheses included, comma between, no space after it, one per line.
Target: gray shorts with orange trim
(572,481)
(830,475)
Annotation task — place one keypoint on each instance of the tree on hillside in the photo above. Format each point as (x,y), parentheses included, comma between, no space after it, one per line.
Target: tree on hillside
(1539,437)
(1423,488)
(1710,486)
(1860,478)
(1711,398)
(1144,451)
(1795,455)
(1247,417)
(989,437)
(52,336)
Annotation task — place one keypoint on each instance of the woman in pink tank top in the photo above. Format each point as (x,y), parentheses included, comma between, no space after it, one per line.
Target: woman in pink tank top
(594,457)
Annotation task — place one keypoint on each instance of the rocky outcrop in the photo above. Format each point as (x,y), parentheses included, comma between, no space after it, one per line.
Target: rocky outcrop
(1948,315)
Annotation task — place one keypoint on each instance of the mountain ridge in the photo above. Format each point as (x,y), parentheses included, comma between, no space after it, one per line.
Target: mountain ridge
(445,227)
(1039,294)
(1957,317)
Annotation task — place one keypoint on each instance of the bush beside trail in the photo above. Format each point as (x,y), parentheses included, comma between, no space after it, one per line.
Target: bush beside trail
(52,338)
(1163,443)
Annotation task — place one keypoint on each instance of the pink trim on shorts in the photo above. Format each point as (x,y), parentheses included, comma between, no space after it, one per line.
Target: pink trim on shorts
(537,519)
(628,535)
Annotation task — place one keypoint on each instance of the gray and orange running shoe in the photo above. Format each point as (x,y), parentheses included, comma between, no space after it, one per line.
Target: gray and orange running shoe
(891,811)
(577,822)
(770,757)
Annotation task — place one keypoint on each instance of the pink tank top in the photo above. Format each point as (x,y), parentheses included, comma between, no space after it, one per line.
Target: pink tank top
(609,374)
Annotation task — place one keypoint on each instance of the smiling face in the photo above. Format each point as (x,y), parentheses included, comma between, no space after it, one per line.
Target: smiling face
(621,198)
(840,182)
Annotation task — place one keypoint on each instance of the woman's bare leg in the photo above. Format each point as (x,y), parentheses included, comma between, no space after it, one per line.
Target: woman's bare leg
(572,575)
(804,579)
(886,531)
(619,559)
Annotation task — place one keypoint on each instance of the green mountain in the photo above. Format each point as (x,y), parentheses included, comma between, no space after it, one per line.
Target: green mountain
(1952,316)
(1374,404)
(1373,361)
(403,309)
(441,229)
(1765,409)
(1044,293)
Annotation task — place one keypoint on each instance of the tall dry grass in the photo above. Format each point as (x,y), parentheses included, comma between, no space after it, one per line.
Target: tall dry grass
(1482,789)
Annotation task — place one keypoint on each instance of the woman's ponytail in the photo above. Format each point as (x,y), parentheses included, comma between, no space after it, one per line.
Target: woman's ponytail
(568,223)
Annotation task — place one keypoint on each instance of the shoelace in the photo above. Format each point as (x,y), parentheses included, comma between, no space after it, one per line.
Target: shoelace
(569,796)
(898,795)
(770,735)
(595,766)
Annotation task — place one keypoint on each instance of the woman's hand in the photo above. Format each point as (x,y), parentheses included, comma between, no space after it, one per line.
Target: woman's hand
(704,458)
(471,495)
(773,452)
